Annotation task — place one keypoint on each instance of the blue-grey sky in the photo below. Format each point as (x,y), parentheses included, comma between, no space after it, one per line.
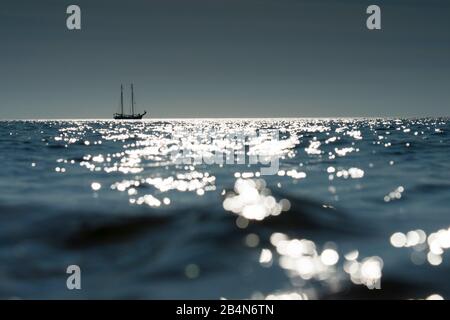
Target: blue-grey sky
(225,58)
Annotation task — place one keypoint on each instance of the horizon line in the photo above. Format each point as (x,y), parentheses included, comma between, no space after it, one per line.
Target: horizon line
(224,118)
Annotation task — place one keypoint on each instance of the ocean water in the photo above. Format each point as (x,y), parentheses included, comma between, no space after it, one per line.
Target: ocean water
(357,208)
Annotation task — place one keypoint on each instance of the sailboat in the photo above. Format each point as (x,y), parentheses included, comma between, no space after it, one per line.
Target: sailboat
(132,116)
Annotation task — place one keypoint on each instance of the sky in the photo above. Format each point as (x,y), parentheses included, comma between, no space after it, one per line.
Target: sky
(225,58)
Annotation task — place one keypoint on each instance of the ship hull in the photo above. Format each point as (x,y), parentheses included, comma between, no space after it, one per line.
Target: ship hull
(128,117)
(120,116)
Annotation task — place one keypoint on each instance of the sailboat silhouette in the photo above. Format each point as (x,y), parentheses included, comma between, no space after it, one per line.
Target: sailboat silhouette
(132,115)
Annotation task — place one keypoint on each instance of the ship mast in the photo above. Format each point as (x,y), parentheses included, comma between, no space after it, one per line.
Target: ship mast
(132,100)
(121,99)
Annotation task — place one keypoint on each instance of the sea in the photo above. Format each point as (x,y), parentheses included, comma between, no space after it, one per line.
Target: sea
(225,209)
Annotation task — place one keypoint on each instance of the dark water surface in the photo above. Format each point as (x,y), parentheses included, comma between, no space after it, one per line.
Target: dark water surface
(356,203)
